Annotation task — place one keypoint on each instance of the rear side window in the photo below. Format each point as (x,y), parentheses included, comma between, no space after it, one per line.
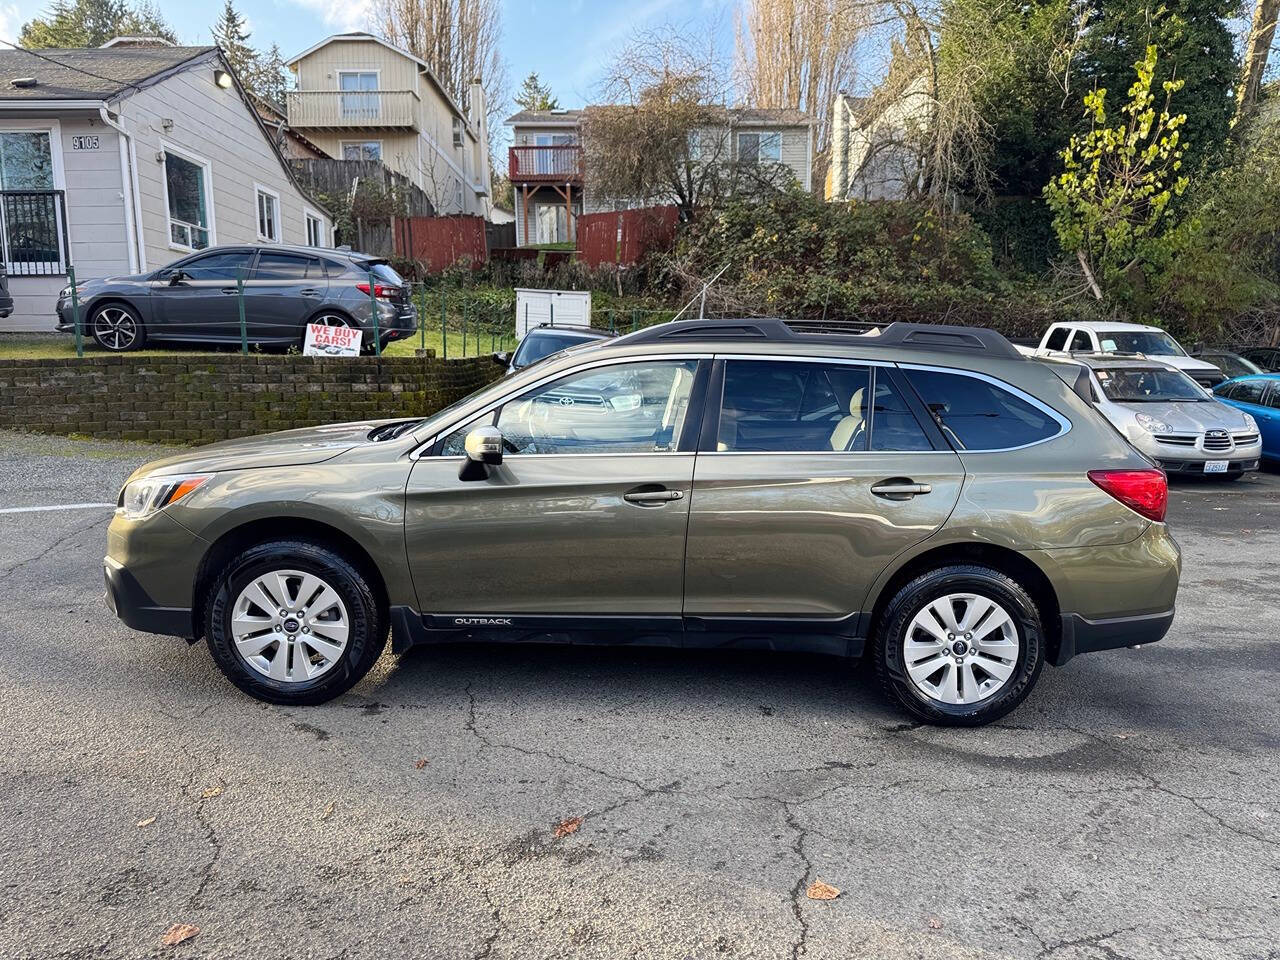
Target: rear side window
(978,415)
(893,425)
(777,406)
(283,266)
(1057,339)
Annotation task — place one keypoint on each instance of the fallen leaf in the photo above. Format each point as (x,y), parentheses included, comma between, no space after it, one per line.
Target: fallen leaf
(935,923)
(422,762)
(177,933)
(328,811)
(145,823)
(821,891)
(211,792)
(566,827)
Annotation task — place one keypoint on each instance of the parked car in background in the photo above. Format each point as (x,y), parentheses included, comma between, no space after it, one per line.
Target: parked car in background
(1231,364)
(1267,358)
(6,298)
(1259,397)
(541,342)
(924,494)
(195,299)
(1171,418)
(1099,337)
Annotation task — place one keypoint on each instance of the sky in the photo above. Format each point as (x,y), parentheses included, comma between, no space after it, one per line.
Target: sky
(568,42)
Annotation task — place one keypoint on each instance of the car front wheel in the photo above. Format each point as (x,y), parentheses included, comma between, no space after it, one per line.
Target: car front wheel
(293,622)
(117,328)
(960,646)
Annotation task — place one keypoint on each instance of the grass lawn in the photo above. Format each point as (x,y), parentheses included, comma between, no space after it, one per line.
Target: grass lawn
(41,346)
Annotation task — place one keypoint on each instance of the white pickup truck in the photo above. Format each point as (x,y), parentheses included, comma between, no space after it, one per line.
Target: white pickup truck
(1063,339)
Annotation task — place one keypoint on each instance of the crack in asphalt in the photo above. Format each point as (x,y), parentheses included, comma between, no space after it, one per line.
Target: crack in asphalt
(211,833)
(14,568)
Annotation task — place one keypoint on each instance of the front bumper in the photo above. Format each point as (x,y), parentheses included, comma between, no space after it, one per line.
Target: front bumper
(131,603)
(1234,467)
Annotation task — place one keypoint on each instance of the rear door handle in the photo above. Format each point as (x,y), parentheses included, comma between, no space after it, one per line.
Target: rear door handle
(232,291)
(652,496)
(310,292)
(897,489)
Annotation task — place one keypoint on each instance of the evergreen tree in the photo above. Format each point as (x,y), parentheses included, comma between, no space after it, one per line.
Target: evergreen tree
(535,95)
(231,33)
(91,23)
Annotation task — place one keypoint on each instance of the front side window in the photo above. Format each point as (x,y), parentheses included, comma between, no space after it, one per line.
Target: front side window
(1248,391)
(1081,343)
(760,147)
(186,183)
(978,415)
(774,406)
(362,150)
(227,265)
(268,215)
(622,408)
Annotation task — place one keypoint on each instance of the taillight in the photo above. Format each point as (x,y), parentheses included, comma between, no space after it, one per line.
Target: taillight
(379,290)
(1143,491)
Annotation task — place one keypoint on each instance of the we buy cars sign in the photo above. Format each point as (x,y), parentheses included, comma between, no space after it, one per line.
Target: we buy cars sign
(324,341)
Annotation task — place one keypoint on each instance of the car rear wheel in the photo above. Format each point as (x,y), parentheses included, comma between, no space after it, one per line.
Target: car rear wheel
(117,328)
(960,646)
(293,622)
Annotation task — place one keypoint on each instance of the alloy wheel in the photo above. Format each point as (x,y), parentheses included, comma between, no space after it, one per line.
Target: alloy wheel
(961,648)
(114,328)
(333,320)
(290,626)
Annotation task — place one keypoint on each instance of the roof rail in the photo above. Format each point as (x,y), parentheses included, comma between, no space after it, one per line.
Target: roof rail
(925,336)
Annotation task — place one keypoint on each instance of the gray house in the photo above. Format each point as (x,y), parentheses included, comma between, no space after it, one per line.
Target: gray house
(122,159)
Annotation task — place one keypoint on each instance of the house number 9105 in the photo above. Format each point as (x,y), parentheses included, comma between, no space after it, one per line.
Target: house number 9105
(84,143)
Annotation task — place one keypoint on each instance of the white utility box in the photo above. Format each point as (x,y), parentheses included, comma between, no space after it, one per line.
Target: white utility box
(557,308)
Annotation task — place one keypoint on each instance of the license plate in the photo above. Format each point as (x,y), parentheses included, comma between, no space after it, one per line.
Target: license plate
(1215,466)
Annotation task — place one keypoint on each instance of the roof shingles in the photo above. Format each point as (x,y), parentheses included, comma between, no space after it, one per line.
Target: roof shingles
(87,73)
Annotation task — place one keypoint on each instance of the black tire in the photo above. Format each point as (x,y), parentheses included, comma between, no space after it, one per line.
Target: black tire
(913,598)
(117,327)
(367,627)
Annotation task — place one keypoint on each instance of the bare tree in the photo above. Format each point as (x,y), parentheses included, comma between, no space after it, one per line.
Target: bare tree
(1262,33)
(799,54)
(460,40)
(663,133)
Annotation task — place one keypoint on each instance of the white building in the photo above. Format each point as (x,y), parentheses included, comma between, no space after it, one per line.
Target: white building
(123,175)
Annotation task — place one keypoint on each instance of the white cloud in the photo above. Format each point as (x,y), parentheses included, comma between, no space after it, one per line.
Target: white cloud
(10,22)
(343,15)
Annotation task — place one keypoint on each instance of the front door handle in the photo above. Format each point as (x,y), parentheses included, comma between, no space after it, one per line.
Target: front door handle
(648,497)
(231,291)
(900,488)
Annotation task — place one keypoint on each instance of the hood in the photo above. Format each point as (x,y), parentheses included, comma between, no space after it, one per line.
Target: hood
(1184,363)
(1193,417)
(288,448)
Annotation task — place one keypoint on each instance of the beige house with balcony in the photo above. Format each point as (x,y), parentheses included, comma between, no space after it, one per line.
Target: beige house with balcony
(359,97)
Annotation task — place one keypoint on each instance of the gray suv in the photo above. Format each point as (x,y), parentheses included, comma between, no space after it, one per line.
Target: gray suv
(195,300)
(925,495)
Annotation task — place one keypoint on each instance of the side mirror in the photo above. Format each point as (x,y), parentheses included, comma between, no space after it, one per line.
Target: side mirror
(502,359)
(484,449)
(176,278)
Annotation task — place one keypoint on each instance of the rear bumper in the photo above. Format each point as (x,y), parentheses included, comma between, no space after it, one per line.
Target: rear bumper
(1081,635)
(133,605)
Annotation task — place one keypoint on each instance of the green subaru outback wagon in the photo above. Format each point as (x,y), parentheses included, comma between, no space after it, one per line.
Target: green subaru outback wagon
(922,494)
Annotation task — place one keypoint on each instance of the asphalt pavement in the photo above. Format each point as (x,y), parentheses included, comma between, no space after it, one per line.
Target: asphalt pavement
(1128,809)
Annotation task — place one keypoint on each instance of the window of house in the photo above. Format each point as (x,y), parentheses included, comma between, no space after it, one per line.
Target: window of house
(315,229)
(457,194)
(976,414)
(457,131)
(359,94)
(187,194)
(268,215)
(362,150)
(621,408)
(760,147)
(26,160)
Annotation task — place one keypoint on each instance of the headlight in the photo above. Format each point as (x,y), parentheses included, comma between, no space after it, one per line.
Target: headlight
(142,498)
(1151,424)
(1249,422)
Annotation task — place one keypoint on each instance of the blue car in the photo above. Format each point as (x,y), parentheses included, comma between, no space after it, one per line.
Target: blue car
(1258,395)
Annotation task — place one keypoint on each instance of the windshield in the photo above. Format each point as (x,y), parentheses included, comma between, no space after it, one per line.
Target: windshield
(1157,343)
(1147,385)
(538,346)
(1231,364)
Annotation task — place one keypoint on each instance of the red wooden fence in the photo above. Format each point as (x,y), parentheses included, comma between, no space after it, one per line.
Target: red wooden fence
(623,237)
(440,242)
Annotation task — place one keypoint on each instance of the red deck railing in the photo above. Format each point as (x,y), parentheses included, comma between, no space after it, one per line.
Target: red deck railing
(562,164)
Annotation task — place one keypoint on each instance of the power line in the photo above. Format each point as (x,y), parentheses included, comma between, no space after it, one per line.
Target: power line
(69,66)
